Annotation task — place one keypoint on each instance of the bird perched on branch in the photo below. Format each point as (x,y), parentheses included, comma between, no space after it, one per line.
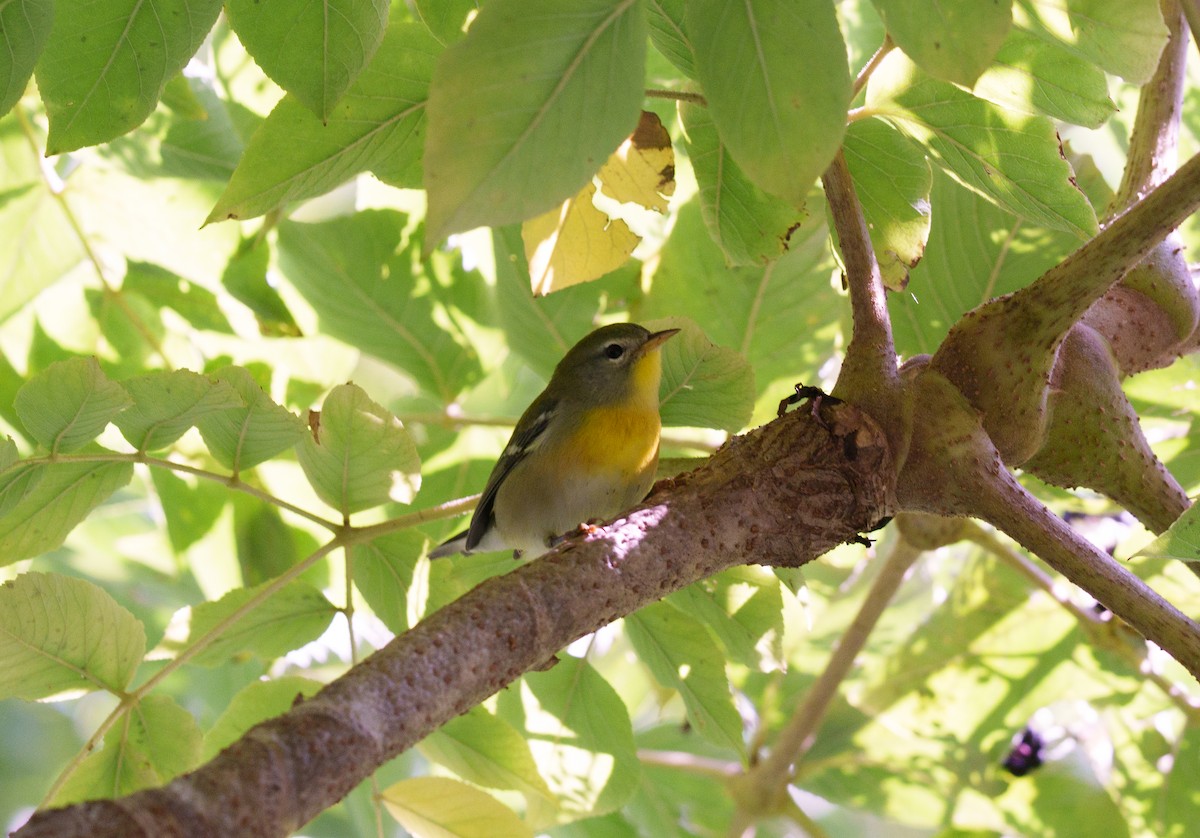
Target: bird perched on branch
(586,448)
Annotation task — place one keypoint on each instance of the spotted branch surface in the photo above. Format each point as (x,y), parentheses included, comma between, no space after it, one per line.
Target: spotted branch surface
(782,494)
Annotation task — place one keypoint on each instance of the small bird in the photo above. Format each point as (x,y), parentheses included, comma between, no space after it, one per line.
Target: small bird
(586,448)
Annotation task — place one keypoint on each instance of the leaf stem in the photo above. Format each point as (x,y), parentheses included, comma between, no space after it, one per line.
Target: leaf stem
(678,96)
(1098,631)
(774,773)
(59,195)
(232,481)
(198,646)
(860,81)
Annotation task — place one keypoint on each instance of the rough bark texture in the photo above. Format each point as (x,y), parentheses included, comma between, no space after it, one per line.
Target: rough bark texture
(780,495)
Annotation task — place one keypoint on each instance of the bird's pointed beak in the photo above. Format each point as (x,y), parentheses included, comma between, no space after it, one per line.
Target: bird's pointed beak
(657,339)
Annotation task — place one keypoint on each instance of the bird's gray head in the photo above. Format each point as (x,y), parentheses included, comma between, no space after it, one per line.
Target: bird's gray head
(610,361)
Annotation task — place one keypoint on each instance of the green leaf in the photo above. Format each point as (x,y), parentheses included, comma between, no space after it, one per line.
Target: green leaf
(24,28)
(69,404)
(245,278)
(487,751)
(266,546)
(1181,541)
(1123,37)
(254,703)
(1181,798)
(775,75)
(976,251)
(242,437)
(383,574)
(668,33)
(750,225)
(540,329)
(1032,75)
(364,457)
(326,47)
(130,323)
(954,40)
(106,64)
(164,288)
(206,146)
(579,732)
(744,610)
(439,807)
(8,455)
(190,509)
(40,504)
(703,385)
(893,182)
(167,404)
(362,283)
(779,317)
(286,620)
(59,634)
(1014,160)
(445,19)
(378,126)
(157,742)
(682,656)
(40,246)
(525,109)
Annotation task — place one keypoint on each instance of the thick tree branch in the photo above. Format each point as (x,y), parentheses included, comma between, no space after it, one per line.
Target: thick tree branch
(953,468)
(782,494)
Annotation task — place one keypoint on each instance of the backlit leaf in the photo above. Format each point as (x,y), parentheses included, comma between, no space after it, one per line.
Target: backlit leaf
(775,75)
(59,634)
(575,243)
(156,742)
(364,456)
(378,126)
(106,64)
(1014,160)
(68,404)
(438,807)
(326,47)
(167,404)
(954,40)
(522,110)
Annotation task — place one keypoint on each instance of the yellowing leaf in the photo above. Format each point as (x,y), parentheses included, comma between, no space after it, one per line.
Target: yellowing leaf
(642,169)
(574,243)
(438,807)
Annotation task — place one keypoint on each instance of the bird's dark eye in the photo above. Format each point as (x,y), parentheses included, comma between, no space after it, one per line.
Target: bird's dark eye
(614,351)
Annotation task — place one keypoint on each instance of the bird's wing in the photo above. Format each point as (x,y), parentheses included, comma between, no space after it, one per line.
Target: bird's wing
(527,437)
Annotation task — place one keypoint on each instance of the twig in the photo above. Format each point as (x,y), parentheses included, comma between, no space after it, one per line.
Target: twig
(774,773)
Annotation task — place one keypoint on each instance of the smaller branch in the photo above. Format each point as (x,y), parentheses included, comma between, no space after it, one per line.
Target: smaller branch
(860,81)
(1155,139)
(58,192)
(1098,631)
(678,96)
(232,481)
(449,509)
(772,775)
(717,769)
(93,741)
(869,375)
(237,484)
(205,640)
(1010,507)
(814,829)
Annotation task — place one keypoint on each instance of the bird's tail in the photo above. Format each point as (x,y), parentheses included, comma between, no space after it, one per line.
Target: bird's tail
(451,546)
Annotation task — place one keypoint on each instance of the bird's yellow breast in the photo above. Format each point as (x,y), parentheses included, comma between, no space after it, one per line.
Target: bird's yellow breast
(622,438)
